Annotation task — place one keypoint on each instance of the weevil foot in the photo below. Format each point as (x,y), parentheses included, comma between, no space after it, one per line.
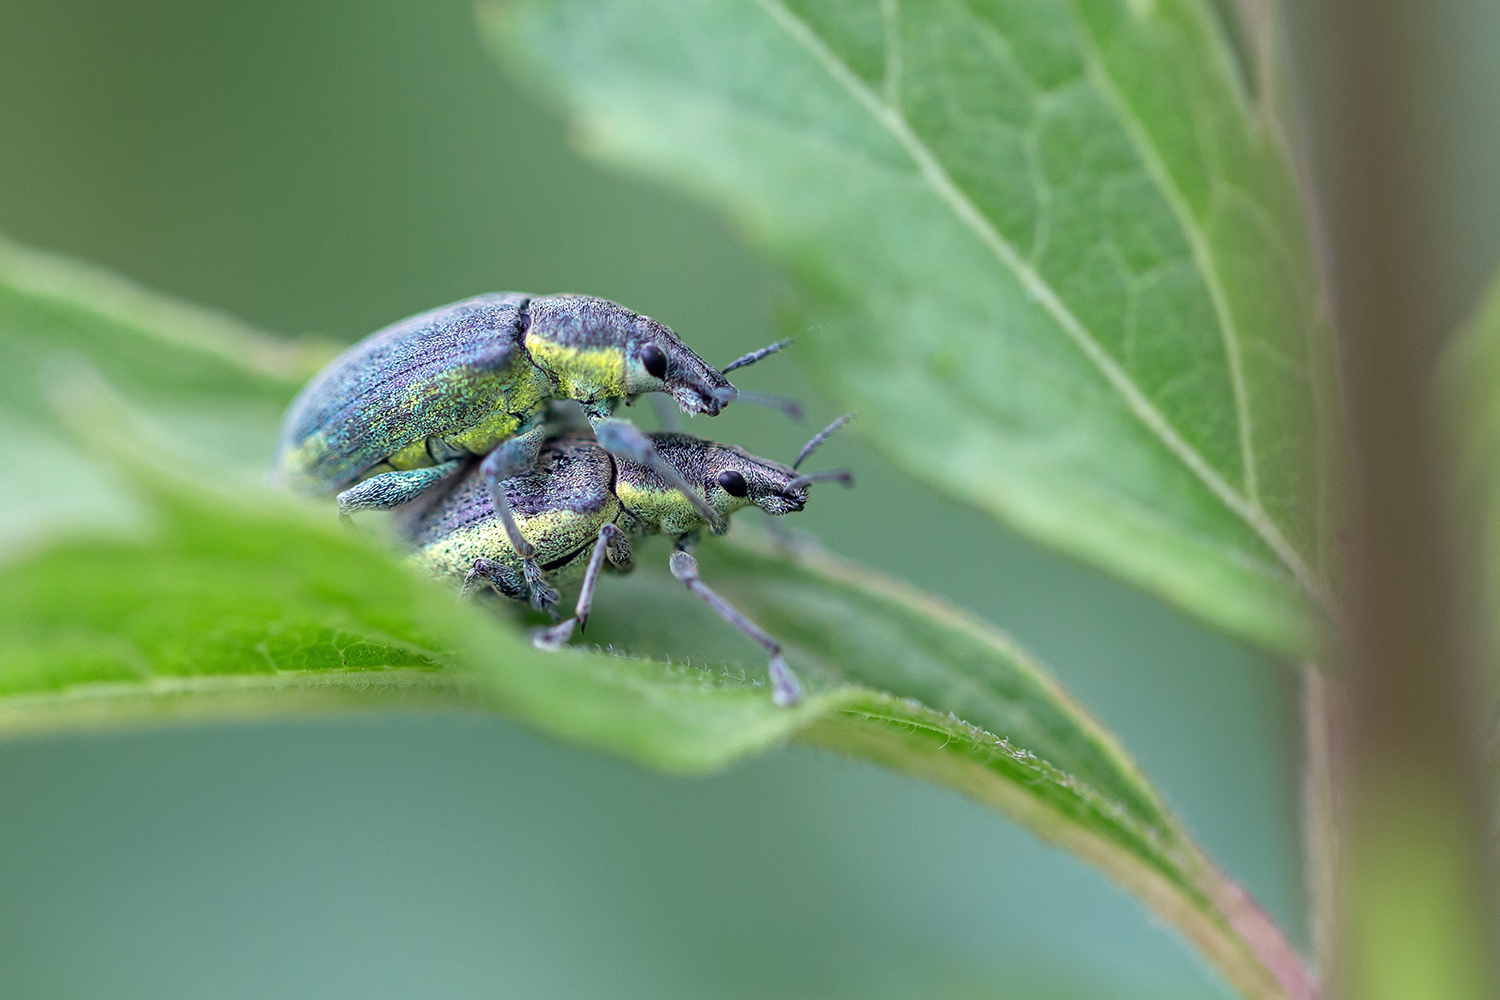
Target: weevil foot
(489,572)
(543,597)
(784,687)
(554,638)
(395,489)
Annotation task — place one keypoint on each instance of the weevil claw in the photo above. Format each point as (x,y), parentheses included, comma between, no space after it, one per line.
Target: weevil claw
(554,638)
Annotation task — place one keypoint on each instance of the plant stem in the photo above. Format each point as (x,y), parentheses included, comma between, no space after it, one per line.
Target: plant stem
(1320,740)
(1413,891)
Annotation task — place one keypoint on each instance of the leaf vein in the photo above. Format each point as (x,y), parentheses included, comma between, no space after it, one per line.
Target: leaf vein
(933,173)
(1145,147)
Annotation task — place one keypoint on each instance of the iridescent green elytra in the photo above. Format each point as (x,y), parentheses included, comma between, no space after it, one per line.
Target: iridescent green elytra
(578,508)
(463,378)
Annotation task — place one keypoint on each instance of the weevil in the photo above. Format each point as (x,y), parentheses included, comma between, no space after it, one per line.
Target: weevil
(582,503)
(409,406)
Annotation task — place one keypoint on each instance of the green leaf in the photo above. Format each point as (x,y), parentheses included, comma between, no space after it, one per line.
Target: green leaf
(53,308)
(237,602)
(243,606)
(950,699)
(214,389)
(1050,251)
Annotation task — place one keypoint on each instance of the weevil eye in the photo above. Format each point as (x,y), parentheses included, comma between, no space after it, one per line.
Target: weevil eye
(734,484)
(654,360)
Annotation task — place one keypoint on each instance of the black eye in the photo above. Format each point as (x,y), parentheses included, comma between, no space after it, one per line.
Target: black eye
(734,484)
(654,359)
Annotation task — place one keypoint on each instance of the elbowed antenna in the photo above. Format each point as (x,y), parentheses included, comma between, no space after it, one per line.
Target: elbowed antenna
(754,356)
(820,437)
(790,408)
(832,475)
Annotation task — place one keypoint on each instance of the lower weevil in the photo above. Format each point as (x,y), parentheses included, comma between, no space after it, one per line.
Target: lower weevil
(582,503)
(407,407)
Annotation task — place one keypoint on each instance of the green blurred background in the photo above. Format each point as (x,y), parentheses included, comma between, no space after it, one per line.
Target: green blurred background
(330,167)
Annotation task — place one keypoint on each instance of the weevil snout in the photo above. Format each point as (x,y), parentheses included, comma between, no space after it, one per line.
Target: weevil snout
(786,502)
(716,398)
(697,388)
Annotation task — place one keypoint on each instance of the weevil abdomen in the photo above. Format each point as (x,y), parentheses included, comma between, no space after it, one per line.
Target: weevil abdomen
(559,506)
(455,378)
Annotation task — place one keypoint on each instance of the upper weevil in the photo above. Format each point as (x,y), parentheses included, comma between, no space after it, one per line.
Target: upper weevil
(406,407)
(581,504)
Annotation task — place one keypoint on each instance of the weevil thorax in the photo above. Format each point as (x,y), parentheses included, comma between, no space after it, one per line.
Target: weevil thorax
(729,477)
(597,352)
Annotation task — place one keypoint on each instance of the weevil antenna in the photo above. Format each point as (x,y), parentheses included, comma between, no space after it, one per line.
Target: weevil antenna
(820,437)
(832,475)
(790,407)
(754,356)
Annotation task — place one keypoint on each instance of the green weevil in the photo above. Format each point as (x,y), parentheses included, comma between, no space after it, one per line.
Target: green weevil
(410,405)
(580,505)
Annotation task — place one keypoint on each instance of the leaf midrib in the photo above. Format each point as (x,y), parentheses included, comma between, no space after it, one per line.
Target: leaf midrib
(936,177)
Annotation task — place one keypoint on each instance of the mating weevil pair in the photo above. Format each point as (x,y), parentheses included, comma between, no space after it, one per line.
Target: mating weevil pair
(411,406)
(581,505)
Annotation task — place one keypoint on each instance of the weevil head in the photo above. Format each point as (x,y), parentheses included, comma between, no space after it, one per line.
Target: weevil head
(596,349)
(656,361)
(736,479)
(729,478)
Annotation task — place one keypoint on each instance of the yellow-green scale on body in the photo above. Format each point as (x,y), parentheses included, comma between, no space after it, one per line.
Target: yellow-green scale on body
(586,374)
(558,535)
(656,503)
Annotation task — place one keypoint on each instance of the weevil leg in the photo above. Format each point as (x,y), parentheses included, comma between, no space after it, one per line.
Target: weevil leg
(622,439)
(620,556)
(613,544)
(611,540)
(512,458)
(392,489)
(784,687)
(543,597)
(497,575)
(503,578)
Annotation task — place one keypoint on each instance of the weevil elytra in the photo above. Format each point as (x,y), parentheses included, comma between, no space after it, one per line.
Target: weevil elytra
(408,406)
(580,506)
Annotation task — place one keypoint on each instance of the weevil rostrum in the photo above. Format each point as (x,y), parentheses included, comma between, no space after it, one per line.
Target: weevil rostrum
(410,405)
(581,504)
